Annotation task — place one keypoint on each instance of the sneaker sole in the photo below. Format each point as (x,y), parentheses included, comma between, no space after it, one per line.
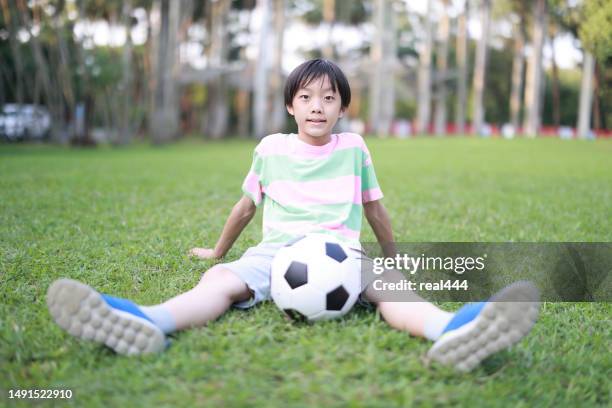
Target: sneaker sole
(503,321)
(82,312)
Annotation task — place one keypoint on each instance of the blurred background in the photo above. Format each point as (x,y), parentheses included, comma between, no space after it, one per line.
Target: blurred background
(112,72)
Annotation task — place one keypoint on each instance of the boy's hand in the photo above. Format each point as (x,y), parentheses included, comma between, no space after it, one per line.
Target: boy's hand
(203,253)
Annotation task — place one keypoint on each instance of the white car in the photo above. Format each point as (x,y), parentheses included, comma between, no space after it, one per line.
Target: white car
(21,122)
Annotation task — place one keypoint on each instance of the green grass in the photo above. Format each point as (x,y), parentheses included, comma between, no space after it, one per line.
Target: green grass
(122,220)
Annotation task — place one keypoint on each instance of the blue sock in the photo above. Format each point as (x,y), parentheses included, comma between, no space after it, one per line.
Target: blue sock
(161,317)
(158,315)
(464,315)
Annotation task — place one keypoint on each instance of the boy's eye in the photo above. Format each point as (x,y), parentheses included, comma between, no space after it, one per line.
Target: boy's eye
(304,96)
(329,98)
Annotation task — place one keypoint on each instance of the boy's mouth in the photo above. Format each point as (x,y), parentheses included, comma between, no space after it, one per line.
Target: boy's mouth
(316,120)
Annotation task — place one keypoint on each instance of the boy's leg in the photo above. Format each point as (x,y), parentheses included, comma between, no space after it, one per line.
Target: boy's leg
(465,338)
(416,315)
(218,289)
(132,329)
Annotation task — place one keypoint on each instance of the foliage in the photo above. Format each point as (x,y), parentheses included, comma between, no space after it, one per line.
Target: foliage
(596,28)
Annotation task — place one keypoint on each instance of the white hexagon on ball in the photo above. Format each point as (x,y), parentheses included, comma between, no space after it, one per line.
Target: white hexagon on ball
(315,277)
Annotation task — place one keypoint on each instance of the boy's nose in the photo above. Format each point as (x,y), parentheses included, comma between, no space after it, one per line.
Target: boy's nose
(316,106)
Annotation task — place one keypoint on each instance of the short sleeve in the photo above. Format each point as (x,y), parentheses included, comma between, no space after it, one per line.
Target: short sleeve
(252,186)
(370,189)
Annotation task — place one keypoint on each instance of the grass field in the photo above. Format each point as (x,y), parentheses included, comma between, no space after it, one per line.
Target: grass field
(122,220)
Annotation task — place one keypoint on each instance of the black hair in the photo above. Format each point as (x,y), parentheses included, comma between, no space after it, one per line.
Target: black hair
(315,69)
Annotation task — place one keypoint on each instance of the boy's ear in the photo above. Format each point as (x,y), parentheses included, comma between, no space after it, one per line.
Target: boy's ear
(342,110)
(290,109)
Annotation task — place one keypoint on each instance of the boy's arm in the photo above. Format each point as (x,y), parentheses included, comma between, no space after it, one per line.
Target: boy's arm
(241,214)
(378,218)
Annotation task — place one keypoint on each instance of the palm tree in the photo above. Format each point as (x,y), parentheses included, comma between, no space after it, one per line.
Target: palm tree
(382,53)
(164,123)
(478,114)
(424,85)
(260,82)
(10,17)
(442,66)
(533,86)
(586,95)
(217,102)
(462,42)
(125,131)
(520,13)
(279,112)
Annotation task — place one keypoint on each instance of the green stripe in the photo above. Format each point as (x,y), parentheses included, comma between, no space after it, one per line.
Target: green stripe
(368,178)
(345,162)
(317,214)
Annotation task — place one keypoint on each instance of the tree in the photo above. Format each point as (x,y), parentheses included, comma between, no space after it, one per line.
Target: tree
(382,53)
(533,86)
(480,66)
(163,125)
(586,95)
(279,112)
(125,131)
(44,75)
(260,81)
(462,42)
(424,80)
(442,66)
(10,17)
(596,37)
(519,12)
(217,101)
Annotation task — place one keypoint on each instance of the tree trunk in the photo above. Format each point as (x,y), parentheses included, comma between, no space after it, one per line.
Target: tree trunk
(164,123)
(125,131)
(53,100)
(260,103)
(478,115)
(518,62)
(13,24)
(279,112)
(442,66)
(64,77)
(533,86)
(217,102)
(586,96)
(382,96)
(556,95)
(597,118)
(329,17)
(462,42)
(424,90)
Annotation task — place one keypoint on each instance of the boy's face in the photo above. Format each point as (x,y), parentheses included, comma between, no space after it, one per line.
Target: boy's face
(316,109)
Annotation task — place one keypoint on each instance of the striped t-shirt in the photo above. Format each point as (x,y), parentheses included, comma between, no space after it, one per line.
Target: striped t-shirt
(306,188)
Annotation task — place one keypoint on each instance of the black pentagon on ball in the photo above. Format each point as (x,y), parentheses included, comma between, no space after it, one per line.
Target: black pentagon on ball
(335,251)
(297,274)
(336,299)
(295,315)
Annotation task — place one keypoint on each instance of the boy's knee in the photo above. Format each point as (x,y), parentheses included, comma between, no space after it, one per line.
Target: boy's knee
(235,288)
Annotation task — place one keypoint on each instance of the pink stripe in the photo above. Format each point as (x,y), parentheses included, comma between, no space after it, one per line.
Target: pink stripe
(338,190)
(304,227)
(251,184)
(372,195)
(275,145)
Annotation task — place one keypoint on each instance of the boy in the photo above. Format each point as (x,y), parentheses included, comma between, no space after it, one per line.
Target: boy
(314,181)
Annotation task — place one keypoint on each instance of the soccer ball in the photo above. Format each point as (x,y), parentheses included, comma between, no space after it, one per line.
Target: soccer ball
(315,278)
